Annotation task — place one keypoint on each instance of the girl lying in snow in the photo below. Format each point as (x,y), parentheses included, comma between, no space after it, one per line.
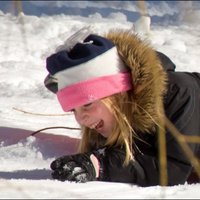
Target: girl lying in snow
(120,90)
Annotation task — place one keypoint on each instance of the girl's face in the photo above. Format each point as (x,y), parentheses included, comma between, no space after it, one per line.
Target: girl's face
(96,115)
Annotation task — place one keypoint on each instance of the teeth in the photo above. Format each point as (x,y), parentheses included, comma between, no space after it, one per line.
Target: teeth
(94,125)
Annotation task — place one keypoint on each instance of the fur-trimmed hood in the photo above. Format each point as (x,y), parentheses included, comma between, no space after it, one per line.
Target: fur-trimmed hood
(148,76)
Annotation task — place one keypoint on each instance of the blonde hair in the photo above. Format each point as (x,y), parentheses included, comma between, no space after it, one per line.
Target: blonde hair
(138,110)
(122,134)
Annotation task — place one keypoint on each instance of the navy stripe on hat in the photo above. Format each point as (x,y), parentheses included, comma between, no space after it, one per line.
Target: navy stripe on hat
(89,71)
(92,47)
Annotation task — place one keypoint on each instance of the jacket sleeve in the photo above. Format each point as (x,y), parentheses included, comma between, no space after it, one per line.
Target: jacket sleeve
(182,108)
(143,170)
(116,171)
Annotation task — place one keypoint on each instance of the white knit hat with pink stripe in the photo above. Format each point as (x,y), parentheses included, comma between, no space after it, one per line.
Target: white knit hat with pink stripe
(90,71)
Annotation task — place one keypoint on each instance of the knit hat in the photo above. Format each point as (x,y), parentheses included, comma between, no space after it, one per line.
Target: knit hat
(91,70)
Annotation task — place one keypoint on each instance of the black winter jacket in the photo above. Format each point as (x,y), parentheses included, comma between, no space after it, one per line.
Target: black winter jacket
(182,107)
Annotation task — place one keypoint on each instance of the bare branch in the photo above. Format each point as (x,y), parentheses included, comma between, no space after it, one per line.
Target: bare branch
(54,127)
(18,109)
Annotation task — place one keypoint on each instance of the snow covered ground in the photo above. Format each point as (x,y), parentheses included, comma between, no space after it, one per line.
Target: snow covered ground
(27,106)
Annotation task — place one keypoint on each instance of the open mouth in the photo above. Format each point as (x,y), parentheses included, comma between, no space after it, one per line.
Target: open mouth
(97,125)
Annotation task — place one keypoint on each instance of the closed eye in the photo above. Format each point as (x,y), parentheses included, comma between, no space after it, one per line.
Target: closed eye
(87,105)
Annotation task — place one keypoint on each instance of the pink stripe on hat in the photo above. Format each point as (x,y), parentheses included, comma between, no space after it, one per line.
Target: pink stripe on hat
(84,92)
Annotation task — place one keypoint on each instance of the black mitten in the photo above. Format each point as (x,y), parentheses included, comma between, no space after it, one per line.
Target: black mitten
(78,167)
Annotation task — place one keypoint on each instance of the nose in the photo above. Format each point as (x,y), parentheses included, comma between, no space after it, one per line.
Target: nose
(81,117)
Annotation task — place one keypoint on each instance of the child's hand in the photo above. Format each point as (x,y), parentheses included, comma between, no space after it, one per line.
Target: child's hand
(79,167)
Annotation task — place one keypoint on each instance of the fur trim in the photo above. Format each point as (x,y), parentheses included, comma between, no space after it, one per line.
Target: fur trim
(149,78)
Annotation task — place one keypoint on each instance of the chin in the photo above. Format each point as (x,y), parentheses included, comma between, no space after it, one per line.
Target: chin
(105,135)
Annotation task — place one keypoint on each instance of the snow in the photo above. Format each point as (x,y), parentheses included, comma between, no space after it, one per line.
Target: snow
(27,106)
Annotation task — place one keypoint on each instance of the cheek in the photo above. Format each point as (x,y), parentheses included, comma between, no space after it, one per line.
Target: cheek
(96,113)
(111,119)
(107,115)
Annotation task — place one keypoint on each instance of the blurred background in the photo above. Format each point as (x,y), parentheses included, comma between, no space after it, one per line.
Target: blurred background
(168,12)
